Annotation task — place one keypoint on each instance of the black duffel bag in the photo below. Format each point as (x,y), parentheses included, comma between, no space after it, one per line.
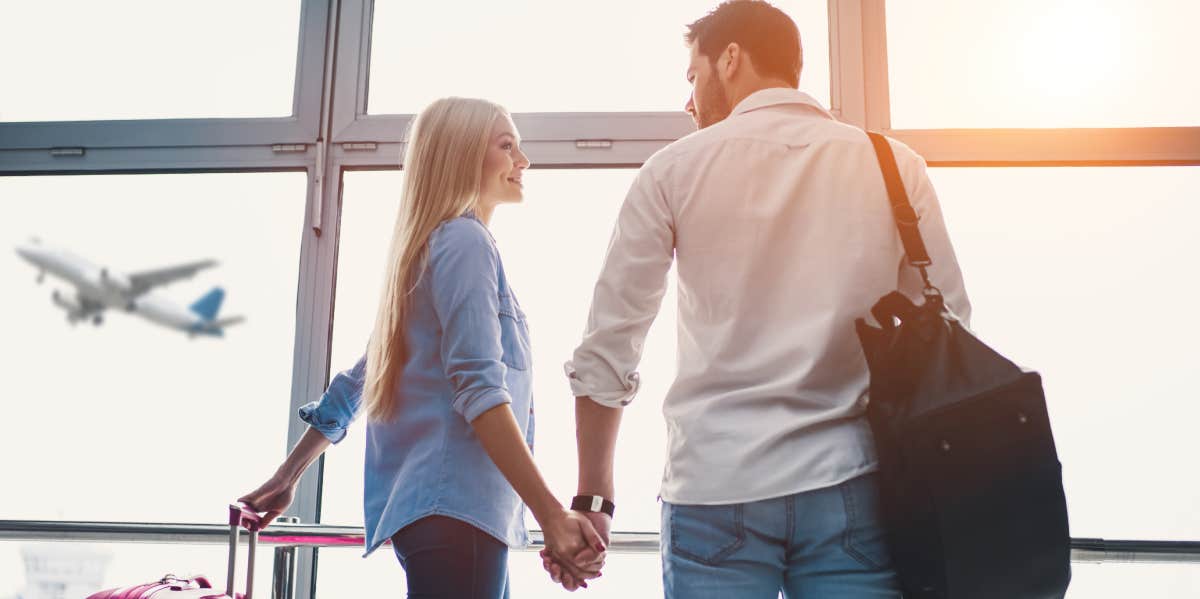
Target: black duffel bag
(970,482)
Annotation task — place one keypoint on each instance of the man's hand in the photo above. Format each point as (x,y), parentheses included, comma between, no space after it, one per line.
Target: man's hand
(562,573)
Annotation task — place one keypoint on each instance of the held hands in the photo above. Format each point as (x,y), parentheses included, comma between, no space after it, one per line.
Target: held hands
(273,497)
(568,572)
(574,548)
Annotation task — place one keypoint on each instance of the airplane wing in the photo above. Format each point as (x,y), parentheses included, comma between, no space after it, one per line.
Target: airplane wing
(141,282)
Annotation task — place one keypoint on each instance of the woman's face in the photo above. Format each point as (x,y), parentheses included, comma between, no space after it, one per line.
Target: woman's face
(503,165)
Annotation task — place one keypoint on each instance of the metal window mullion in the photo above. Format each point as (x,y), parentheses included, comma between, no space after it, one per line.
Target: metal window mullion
(535,126)
(149,146)
(875,66)
(846,97)
(310,364)
(152,160)
(554,140)
(858,63)
(307,99)
(1144,146)
(351,64)
(318,265)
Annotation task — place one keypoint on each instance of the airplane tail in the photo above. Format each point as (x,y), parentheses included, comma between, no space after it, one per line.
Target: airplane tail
(228,321)
(208,306)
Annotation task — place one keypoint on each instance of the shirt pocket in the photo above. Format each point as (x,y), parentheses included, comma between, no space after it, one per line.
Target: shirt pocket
(514,335)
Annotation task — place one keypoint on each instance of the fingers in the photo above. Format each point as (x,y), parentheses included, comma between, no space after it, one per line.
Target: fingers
(590,535)
(560,574)
(551,567)
(589,560)
(580,575)
(269,517)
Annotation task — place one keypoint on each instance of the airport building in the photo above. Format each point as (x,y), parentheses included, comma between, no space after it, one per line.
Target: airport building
(199,200)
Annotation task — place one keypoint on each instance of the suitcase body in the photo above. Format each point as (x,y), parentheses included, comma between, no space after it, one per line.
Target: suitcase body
(173,587)
(169,587)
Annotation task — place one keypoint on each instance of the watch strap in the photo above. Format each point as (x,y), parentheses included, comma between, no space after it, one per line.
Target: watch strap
(592,503)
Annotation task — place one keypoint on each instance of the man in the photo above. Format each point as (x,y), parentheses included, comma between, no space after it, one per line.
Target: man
(781,225)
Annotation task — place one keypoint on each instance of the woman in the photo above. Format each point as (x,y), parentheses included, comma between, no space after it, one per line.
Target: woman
(446,382)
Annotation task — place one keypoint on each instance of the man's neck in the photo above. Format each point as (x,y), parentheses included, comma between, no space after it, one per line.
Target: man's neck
(744,90)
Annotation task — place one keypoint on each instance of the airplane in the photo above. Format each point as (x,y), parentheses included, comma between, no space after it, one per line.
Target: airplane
(98,289)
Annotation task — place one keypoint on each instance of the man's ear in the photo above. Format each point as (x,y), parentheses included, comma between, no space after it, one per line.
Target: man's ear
(733,60)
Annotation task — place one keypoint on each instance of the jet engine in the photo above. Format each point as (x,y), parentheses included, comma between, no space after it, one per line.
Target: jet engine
(66,303)
(74,310)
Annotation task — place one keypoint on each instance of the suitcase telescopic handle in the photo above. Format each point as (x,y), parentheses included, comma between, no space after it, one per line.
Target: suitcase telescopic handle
(241,516)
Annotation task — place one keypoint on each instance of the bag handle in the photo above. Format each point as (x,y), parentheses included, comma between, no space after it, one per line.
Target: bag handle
(902,210)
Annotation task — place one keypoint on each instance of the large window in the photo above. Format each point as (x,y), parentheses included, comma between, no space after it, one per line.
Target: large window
(1086,275)
(142,59)
(127,419)
(1032,63)
(130,403)
(551,56)
(1082,273)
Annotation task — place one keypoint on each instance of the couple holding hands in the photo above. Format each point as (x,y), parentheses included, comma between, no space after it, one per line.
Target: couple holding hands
(779,223)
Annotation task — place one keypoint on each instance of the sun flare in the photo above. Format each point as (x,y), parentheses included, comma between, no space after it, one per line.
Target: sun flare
(1072,50)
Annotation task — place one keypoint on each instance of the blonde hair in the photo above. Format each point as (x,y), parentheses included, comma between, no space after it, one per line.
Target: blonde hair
(443,166)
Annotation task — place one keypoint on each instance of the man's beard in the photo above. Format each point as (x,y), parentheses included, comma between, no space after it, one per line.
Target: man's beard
(714,106)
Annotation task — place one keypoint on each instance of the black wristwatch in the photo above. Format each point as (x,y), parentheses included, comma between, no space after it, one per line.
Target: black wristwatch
(592,503)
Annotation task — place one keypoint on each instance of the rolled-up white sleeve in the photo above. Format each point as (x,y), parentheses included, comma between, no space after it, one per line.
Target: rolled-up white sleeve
(627,295)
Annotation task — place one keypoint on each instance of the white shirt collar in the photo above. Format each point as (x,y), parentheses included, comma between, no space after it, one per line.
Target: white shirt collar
(773,96)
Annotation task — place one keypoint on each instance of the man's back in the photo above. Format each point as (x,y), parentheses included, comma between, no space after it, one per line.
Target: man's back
(783,234)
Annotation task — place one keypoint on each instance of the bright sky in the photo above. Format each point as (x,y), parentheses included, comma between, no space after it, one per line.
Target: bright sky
(1082,274)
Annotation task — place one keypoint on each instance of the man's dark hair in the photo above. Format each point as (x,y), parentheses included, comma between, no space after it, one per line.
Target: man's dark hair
(764,32)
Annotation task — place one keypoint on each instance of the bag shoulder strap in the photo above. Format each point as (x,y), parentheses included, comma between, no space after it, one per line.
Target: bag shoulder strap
(902,210)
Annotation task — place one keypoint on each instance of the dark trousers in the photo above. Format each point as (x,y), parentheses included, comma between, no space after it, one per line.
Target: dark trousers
(446,558)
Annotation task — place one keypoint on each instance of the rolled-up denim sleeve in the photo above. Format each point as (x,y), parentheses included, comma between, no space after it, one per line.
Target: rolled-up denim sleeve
(339,406)
(464,279)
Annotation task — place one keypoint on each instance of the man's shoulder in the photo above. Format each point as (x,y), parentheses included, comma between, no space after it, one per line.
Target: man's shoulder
(813,131)
(817,134)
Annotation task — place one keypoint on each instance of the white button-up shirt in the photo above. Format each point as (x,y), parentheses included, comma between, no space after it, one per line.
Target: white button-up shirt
(780,222)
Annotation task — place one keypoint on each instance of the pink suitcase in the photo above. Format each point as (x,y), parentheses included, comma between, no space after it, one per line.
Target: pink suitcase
(173,587)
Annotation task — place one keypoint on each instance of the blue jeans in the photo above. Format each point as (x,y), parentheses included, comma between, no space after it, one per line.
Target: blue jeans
(446,558)
(821,544)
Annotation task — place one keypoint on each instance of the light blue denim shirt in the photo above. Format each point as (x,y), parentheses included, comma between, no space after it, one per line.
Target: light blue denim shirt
(468,347)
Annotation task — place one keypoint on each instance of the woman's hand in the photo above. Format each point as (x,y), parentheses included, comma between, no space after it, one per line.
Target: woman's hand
(273,497)
(603,525)
(574,544)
